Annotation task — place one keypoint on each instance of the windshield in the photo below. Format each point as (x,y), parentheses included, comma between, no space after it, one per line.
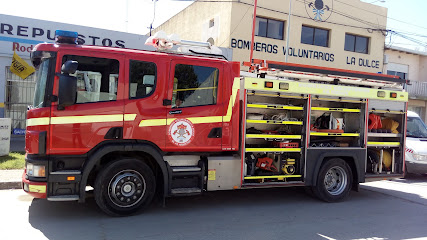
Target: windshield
(41,80)
(416,128)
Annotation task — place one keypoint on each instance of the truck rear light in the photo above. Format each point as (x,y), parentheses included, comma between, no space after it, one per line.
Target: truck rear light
(284,86)
(268,84)
(381,94)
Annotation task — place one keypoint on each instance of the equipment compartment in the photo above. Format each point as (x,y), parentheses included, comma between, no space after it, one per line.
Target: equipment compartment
(385,134)
(337,122)
(274,137)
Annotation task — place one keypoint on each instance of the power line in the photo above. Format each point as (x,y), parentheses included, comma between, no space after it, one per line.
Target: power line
(286,13)
(237,24)
(380,14)
(335,10)
(350,17)
(372,26)
(424,44)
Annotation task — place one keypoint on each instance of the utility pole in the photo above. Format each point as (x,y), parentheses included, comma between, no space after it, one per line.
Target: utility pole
(253,32)
(288,31)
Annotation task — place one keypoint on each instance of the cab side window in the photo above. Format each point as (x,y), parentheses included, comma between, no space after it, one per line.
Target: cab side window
(97,78)
(194,86)
(142,79)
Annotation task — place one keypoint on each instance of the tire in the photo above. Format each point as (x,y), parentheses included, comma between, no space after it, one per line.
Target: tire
(334,181)
(406,173)
(309,191)
(124,187)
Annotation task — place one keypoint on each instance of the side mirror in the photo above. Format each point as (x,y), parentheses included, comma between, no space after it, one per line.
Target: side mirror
(67,92)
(69,67)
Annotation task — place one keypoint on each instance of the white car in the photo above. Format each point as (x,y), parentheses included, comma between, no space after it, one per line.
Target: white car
(416,145)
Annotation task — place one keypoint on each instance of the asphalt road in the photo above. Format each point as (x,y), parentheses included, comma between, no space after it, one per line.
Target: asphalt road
(381,210)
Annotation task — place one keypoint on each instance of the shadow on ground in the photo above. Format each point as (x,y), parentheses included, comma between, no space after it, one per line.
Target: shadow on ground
(280,213)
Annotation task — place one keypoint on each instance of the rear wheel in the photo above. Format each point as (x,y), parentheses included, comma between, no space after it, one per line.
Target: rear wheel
(334,181)
(124,187)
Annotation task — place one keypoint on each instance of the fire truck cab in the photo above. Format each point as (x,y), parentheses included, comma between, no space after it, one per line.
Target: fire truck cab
(132,124)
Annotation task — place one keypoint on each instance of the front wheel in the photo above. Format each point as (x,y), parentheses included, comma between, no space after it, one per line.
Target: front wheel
(334,181)
(124,187)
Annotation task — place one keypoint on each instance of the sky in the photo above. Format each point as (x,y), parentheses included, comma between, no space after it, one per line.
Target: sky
(406,17)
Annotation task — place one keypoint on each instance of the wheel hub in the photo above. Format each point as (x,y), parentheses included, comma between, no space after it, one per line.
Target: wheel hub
(126,188)
(335,180)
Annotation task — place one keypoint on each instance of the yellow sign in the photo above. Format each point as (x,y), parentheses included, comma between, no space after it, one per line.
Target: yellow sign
(211,175)
(20,67)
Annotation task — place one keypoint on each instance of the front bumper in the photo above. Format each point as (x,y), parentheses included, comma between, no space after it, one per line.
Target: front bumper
(35,189)
(417,167)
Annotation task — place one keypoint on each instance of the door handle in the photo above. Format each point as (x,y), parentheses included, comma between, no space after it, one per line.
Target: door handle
(175,112)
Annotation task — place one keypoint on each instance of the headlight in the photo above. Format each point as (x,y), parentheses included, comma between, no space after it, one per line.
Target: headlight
(36,170)
(420,157)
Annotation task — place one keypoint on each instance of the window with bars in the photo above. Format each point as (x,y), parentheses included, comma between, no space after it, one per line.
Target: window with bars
(402,75)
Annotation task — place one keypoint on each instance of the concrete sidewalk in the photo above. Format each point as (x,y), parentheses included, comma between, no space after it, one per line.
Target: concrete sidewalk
(10,179)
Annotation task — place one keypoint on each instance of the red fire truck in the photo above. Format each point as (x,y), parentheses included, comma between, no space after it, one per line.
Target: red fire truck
(131,124)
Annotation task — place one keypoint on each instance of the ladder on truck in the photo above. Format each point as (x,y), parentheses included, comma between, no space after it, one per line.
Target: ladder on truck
(315,74)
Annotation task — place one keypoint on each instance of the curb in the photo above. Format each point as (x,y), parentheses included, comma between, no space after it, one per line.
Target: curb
(10,185)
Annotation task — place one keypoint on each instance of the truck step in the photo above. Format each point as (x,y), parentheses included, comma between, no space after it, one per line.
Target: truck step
(186,191)
(186,169)
(63,198)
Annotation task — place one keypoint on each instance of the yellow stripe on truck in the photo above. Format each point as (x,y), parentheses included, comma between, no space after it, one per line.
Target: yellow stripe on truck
(152,122)
(80,119)
(87,119)
(38,121)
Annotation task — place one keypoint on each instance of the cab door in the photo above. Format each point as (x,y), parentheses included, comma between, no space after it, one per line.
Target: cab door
(195,116)
(78,128)
(147,83)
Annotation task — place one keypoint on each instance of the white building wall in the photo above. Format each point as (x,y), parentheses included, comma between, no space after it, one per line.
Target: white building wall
(415,65)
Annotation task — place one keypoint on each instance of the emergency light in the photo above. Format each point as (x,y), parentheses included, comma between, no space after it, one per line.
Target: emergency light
(162,42)
(69,37)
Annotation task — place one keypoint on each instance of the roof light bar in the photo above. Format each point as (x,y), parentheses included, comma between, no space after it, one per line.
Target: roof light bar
(69,37)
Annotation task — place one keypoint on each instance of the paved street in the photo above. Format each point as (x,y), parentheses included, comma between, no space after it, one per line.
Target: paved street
(381,210)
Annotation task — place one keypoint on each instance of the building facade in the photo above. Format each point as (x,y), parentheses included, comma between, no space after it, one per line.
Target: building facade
(412,65)
(345,34)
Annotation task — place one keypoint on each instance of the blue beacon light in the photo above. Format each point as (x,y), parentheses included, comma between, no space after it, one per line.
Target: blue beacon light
(69,37)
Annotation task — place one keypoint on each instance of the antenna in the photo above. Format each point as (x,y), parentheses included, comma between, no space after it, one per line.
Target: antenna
(154,16)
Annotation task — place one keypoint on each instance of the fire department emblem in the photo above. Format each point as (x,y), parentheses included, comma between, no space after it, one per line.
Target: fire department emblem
(181,132)
(319,10)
